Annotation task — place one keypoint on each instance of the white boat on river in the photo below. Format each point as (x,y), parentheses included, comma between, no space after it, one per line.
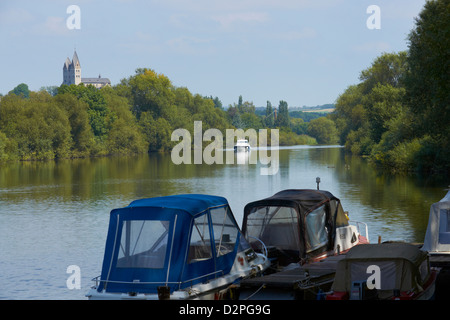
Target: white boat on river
(242,145)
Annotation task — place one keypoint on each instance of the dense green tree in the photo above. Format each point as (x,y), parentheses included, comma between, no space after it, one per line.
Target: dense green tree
(382,104)
(83,142)
(251,120)
(269,119)
(324,130)
(148,91)
(21,90)
(137,115)
(282,115)
(387,69)
(398,114)
(99,114)
(427,82)
(299,126)
(40,130)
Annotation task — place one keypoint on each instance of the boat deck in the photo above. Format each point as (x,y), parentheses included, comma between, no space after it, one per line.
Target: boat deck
(440,260)
(295,279)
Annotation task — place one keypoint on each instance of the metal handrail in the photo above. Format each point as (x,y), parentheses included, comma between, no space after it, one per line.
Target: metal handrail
(97,280)
(357,224)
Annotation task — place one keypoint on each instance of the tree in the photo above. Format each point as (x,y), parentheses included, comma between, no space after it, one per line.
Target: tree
(125,138)
(98,111)
(383,103)
(148,91)
(299,126)
(283,115)
(427,81)
(21,90)
(239,102)
(52,90)
(387,69)
(83,142)
(269,118)
(323,129)
(251,120)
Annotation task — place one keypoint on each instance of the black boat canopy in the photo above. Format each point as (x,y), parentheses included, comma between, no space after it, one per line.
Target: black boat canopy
(299,223)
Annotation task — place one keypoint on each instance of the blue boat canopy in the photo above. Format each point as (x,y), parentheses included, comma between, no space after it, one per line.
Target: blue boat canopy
(175,241)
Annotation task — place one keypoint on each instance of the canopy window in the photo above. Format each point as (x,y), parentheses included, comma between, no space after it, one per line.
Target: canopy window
(225,230)
(276,225)
(143,244)
(444,226)
(200,244)
(317,233)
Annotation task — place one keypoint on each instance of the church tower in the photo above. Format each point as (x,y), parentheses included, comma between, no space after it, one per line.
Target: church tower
(72,71)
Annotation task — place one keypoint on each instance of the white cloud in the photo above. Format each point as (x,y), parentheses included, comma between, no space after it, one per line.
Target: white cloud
(244,5)
(51,26)
(377,47)
(15,16)
(305,33)
(230,19)
(190,45)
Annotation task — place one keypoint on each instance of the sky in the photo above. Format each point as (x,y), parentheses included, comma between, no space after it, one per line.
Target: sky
(305,52)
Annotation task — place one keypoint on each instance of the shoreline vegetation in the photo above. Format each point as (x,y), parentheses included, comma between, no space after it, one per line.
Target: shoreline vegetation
(397,115)
(136,116)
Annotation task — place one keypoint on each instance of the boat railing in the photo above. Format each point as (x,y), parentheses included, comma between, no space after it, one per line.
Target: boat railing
(361,227)
(97,280)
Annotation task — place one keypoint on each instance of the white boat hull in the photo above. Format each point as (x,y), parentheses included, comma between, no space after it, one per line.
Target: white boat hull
(210,290)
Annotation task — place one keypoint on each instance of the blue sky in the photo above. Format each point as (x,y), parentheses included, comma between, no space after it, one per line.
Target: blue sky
(305,52)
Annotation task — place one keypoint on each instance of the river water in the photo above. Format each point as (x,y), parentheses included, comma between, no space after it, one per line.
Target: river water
(55,214)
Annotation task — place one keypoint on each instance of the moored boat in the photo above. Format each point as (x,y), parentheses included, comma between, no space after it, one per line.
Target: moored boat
(174,247)
(301,225)
(437,243)
(437,236)
(385,271)
(304,232)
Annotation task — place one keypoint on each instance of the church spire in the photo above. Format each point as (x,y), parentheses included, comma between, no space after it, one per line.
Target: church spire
(75,60)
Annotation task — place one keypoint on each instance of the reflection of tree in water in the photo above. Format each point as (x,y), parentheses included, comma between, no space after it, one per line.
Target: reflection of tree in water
(393,198)
(392,201)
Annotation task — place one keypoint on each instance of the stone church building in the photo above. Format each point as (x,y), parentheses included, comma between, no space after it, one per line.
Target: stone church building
(72,74)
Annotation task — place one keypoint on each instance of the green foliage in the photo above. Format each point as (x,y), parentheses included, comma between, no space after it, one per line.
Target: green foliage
(289,138)
(398,114)
(80,130)
(427,81)
(306,116)
(148,91)
(299,126)
(21,90)
(36,128)
(99,114)
(324,130)
(269,119)
(282,119)
(138,115)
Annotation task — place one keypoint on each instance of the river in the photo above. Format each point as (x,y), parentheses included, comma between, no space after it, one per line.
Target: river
(55,214)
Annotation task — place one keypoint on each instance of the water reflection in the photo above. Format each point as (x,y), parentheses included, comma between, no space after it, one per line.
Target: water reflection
(54,214)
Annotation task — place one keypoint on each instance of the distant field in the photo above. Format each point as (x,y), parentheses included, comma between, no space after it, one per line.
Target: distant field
(319,110)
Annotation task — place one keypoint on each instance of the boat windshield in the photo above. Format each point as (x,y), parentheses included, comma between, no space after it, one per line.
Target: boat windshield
(225,233)
(275,226)
(225,230)
(143,244)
